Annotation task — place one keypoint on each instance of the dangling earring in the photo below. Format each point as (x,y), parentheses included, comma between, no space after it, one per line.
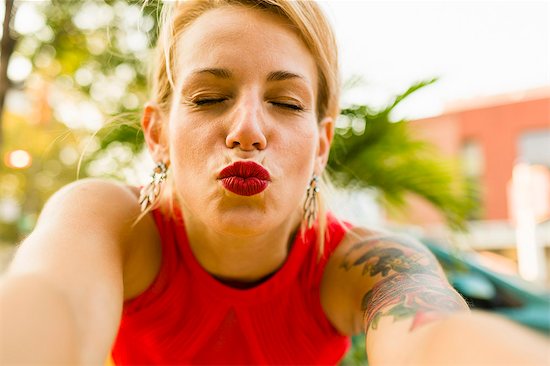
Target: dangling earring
(149,194)
(310,205)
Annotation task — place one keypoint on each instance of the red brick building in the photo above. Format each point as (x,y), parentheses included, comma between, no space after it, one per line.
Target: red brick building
(491,135)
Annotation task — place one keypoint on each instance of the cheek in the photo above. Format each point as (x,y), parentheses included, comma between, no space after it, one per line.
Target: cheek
(190,142)
(192,148)
(299,146)
(292,159)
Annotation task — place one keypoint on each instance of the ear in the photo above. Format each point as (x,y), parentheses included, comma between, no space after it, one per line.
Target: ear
(326,133)
(152,124)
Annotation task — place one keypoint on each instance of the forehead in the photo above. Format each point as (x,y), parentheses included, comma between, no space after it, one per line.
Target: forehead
(245,41)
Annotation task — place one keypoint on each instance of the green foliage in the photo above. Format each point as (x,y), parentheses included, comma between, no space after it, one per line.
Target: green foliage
(372,151)
(88,82)
(356,356)
(54,152)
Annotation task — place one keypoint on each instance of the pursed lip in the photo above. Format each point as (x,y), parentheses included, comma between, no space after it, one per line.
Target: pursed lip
(245,178)
(245,169)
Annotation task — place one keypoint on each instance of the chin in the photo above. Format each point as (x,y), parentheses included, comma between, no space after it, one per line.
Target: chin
(249,223)
(233,215)
(244,222)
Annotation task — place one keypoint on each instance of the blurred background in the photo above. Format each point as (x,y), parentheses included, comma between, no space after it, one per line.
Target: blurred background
(444,132)
(489,111)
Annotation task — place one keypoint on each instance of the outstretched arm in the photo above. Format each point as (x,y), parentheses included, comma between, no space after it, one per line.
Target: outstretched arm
(399,296)
(61,298)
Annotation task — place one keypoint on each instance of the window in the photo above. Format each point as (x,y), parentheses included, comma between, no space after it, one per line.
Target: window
(534,147)
(472,159)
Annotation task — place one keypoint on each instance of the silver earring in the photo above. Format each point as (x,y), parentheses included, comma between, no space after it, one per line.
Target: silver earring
(310,205)
(149,193)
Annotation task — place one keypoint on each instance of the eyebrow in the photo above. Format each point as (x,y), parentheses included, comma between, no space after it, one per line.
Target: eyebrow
(283,75)
(279,75)
(219,73)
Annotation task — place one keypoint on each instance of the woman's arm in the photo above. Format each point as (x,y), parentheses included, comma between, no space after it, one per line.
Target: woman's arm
(477,339)
(37,325)
(396,292)
(62,295)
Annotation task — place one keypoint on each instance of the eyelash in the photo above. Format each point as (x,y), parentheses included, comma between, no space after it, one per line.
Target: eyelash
(292,107)
(208,102)
(203,102)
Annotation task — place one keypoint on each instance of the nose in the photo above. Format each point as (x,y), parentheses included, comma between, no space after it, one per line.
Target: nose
(246,128)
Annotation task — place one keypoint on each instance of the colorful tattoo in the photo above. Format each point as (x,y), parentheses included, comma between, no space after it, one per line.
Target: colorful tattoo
(402,296)
(407,282)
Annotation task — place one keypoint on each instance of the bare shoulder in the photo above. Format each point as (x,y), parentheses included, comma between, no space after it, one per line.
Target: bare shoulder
(89,200)
(106,211)
(86,214)
(100,214)
(370,275)
(336,287)
(100,208)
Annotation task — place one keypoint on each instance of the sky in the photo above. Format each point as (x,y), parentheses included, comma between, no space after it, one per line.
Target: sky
(476,48)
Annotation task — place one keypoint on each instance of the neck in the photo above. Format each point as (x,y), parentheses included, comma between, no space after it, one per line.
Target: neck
(235,259)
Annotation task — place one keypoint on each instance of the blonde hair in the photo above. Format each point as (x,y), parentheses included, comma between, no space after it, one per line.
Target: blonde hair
(305,17)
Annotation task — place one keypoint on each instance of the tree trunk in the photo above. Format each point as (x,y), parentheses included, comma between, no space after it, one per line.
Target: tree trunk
(7,47)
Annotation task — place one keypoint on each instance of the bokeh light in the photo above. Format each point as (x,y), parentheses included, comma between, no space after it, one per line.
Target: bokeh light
(18,159)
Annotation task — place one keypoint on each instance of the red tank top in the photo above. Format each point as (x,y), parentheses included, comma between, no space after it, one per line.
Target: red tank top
(186,316)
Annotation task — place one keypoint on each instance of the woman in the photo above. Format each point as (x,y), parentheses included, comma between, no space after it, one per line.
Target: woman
(235,260)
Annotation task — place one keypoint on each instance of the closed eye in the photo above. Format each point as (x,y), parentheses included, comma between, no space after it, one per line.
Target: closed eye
(209,101)
(294,107)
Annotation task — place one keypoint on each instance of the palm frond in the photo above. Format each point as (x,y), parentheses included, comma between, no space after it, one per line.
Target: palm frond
(371,151)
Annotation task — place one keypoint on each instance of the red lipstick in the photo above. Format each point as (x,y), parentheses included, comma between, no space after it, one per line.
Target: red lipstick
(245,178)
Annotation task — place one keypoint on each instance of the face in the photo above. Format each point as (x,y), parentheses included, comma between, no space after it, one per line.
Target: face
(246,92)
